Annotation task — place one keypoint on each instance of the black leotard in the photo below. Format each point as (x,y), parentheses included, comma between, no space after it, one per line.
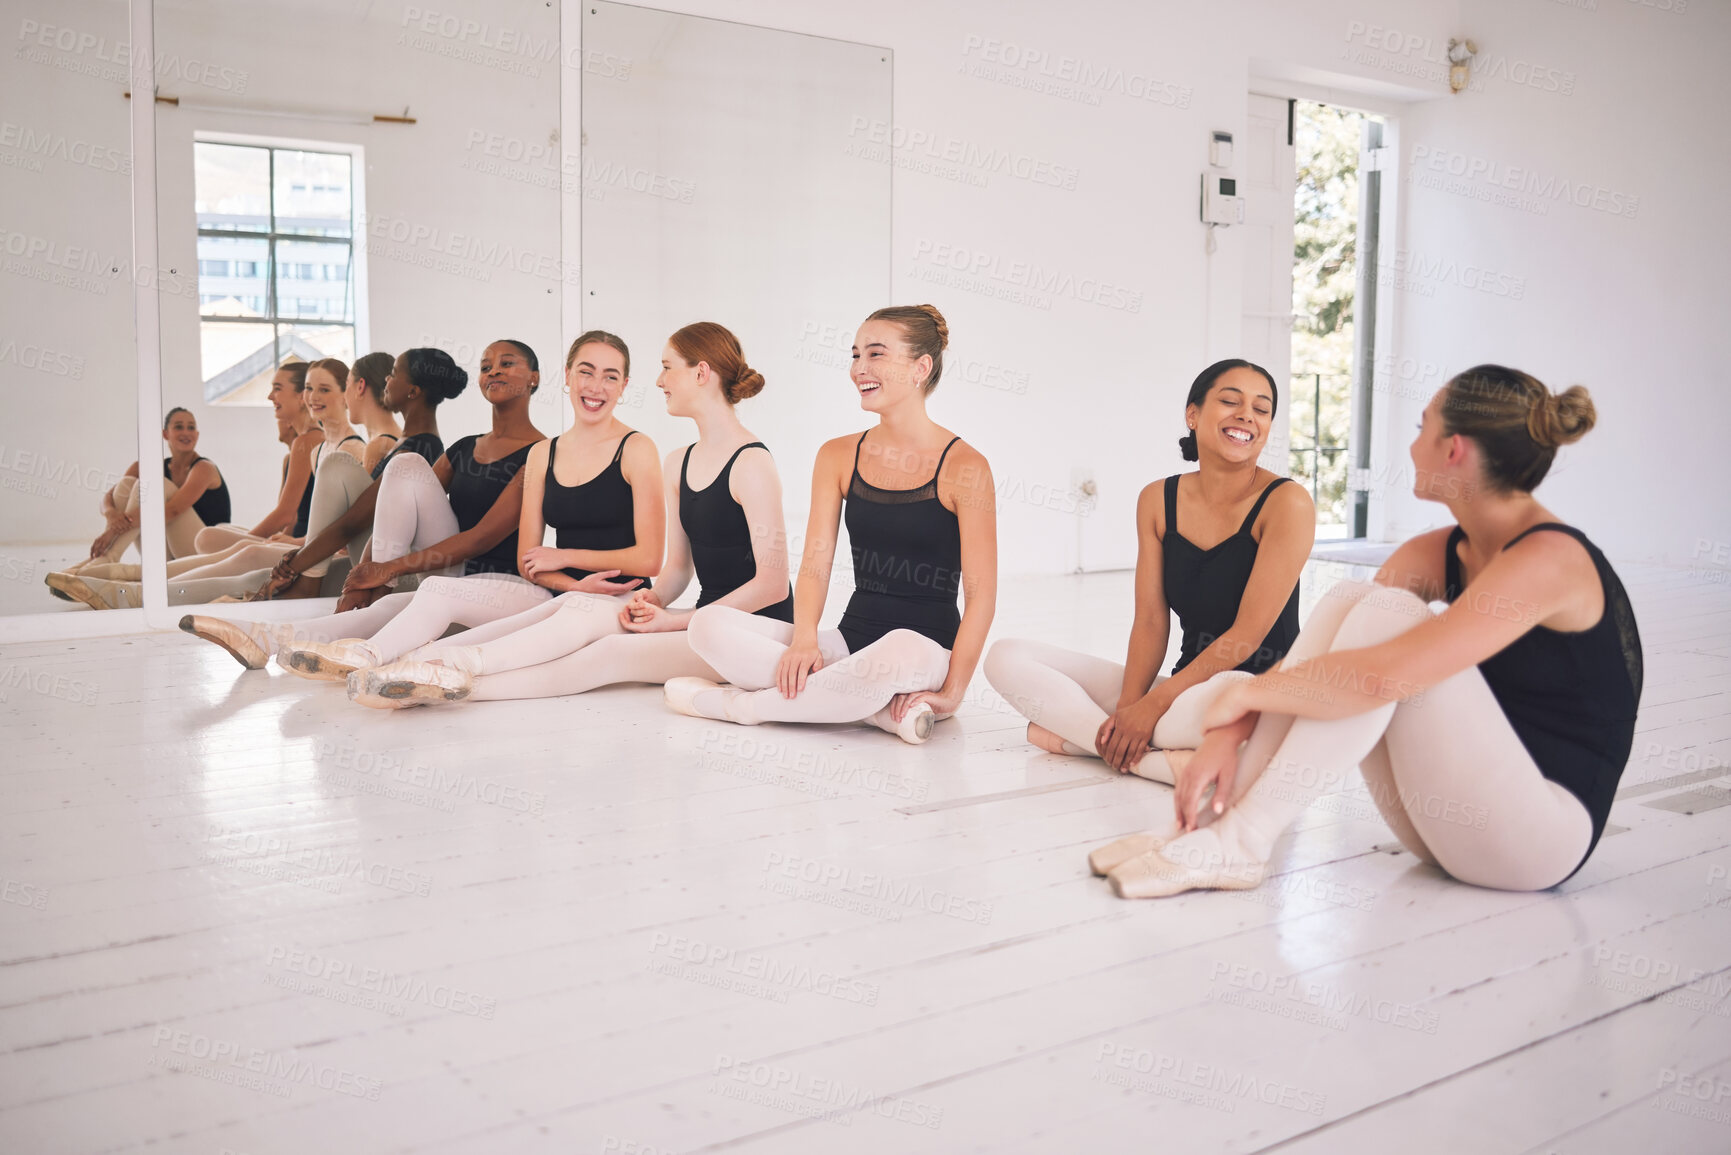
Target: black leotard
(907,561)
(1205,586)
(597,514)
(720,537)
(212,505)
(426,445)
(475,487)
(1570,696)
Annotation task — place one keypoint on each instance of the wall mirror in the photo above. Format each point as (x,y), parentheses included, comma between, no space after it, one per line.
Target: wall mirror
(728,176)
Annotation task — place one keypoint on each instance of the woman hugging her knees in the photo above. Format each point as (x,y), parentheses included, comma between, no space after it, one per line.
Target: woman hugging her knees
(1491,735)
(724,524)
(921,517)
(1223,548)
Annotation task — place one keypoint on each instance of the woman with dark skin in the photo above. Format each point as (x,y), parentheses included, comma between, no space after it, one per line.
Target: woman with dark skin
(1236,599)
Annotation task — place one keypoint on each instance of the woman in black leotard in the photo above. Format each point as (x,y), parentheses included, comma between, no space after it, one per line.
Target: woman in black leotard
(457,516)
(724,525)
(921,518)
(1236,598)
(1491,735)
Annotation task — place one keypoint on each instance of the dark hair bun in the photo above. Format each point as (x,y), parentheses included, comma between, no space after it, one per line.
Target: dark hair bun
(435,374)
(1562,418)
(749,384)
(1187,446)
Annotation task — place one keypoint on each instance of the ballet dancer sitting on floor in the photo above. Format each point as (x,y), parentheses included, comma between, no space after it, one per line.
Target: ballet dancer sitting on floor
(608,530)
(724,522)
(902,656)
(1236,599)
(1491,735)
(456,516)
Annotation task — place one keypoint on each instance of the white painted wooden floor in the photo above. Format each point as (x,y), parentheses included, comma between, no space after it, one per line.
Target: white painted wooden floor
(241,914)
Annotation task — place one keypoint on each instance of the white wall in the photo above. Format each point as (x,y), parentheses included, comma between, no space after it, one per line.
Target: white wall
(1632,307)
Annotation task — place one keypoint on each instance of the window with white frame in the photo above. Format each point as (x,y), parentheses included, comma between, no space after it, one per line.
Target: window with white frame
(276,262)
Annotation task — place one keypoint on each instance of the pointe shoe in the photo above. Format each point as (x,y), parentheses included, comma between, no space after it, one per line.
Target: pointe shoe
(1109,857)
(97,593)
(1156,875)
(917,723)
(327,661)
(402,684)
(1052,743)
(681,696)
(62,574)
(234,637)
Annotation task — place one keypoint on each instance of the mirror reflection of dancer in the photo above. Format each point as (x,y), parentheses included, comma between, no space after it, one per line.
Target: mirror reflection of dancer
(902,655)
(419,382)
(457,516)
(1236,599)
(608,529)
(194,496)
(1491,736)
(361,408)
(724,523)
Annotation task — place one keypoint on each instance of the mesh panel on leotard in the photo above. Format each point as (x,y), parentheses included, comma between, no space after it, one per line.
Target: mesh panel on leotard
(907,561)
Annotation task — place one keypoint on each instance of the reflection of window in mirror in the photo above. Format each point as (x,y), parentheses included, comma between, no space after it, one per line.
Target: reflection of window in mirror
(276,260)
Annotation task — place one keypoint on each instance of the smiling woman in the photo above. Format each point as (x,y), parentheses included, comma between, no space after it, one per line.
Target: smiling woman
(1236,598)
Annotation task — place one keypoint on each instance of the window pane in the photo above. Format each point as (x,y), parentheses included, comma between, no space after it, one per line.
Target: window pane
(237,357)
(312,193)
(231,187)
(313,281)
(231,280)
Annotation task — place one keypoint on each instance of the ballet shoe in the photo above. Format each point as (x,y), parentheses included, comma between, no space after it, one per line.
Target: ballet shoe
(327,661)
(63,574)
(402,684)
(231,636)
(681,696)
(917,723)
(1052,743)
(1174,869)
(1104,859)
(97,593)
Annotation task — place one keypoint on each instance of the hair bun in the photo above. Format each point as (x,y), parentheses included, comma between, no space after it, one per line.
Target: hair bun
(1187,446)
(938,320)
(1562,418)
(748,384)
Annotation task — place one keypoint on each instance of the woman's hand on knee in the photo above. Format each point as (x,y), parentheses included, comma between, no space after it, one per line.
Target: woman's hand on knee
(368,575)
(798,662)
(644,614)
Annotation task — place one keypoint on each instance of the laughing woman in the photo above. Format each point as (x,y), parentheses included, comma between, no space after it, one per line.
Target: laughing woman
(1491,736)
(1236,599)
(724,523)
(607,525)
(902,656)
(457,516)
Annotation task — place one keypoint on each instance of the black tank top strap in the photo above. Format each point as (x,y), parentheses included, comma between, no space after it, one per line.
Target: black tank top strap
(1452,583)
(857,446)
(351,437)
(620,452)
(1256,510)
(729,466)
(1556,525)
(941,457)
(1172,502)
